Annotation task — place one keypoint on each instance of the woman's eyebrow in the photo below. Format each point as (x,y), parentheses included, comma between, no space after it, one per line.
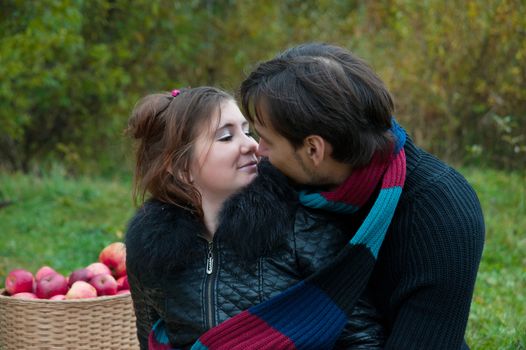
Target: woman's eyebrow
(231,125)
(228,127)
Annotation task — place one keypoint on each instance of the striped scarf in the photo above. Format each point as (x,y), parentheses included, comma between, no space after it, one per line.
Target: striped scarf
(312,313)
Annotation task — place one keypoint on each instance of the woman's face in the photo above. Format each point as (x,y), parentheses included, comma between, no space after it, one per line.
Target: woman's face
(224,156)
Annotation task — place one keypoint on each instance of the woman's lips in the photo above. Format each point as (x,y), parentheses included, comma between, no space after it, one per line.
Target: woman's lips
(249,167)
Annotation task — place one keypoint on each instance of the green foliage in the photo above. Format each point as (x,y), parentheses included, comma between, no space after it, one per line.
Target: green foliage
(57,94)
(64,223)
(73,69)
(460,77)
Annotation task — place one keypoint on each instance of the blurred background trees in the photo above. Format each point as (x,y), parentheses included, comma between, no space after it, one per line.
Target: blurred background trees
(72,70)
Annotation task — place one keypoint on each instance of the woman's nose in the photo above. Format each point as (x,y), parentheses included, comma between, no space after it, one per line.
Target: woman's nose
(249,145)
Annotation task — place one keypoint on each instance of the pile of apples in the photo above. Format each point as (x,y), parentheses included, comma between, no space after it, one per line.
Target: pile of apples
(105,277)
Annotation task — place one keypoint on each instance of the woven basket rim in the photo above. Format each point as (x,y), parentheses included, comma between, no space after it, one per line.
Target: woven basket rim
(105,322)
(96,300)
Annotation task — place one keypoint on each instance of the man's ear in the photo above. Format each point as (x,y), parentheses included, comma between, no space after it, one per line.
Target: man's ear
(317,149)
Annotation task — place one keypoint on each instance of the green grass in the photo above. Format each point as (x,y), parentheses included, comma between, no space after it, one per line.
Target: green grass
(58,221)
(497,319)
(64,223)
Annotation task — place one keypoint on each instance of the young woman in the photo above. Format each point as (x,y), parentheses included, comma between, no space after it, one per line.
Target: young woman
(218,233)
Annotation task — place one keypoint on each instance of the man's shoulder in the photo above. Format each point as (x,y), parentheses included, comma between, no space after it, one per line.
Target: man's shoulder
(437,204)
(427,174)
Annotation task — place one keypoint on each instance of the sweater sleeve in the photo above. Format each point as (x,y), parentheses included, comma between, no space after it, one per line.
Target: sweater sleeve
(431,261)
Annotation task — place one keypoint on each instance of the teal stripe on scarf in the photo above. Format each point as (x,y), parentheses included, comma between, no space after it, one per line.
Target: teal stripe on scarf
(314,200)
(199,346)
(372,232)
(160,332)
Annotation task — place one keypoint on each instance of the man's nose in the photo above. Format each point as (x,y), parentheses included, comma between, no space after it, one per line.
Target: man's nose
(262,150)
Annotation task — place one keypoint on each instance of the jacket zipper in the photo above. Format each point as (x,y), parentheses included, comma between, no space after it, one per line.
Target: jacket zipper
(211,271)
(210,258)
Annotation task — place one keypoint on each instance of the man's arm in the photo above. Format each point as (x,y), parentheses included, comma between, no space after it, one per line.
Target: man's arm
(439,236)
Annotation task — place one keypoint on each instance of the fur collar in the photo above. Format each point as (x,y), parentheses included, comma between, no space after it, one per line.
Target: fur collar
(256,220)
(253,222)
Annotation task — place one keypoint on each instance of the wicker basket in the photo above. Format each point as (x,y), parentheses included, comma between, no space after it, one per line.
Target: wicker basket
(98,323)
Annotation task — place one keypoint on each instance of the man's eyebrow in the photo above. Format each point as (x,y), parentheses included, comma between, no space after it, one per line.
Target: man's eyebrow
(256,130)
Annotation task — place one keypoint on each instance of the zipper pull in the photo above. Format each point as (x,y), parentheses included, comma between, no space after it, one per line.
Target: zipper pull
(210,259)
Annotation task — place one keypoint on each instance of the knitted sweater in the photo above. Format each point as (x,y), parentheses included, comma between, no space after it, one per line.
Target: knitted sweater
(425,274)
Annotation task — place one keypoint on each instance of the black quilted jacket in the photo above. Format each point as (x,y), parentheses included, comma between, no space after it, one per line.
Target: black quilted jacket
(265,243)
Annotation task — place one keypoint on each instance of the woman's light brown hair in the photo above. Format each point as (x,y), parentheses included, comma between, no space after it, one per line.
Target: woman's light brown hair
(164,129)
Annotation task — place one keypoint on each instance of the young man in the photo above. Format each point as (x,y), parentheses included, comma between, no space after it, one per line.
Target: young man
(325,120)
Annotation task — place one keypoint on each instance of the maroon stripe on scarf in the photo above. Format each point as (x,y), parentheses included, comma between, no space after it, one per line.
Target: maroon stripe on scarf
(360,185)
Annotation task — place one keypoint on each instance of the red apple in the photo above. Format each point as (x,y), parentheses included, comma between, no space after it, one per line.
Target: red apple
(81,290)
(19,281)
(24,295)
(98,268)
(114,256)
(80,275)
(44,271)
(104,284)
(123,291)
(58,297)
(122,283)
(51,285)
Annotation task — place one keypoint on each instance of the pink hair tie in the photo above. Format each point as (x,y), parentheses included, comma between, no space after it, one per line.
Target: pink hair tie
(175,92)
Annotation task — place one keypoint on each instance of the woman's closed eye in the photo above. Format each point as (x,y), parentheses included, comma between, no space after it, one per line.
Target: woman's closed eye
(225,138)
(226,135)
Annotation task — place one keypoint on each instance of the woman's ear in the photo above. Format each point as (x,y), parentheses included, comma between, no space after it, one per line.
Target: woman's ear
(182,175)
(185,176)
(189,176)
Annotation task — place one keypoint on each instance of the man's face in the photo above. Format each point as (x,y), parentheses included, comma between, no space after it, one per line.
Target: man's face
(293,163)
